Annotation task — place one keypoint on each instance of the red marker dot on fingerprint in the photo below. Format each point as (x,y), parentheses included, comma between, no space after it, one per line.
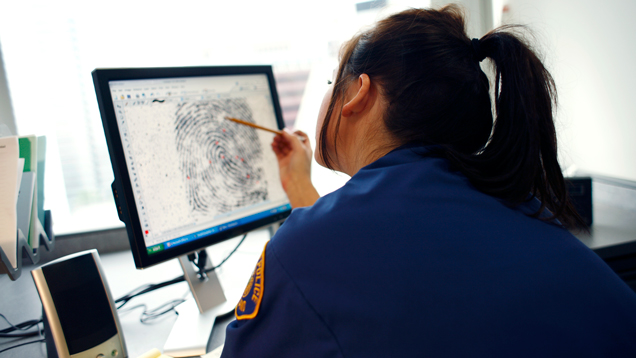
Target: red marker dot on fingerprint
(223,130)
(188,177)
(222,157)
(210,161)
(248,176)
(146,232)
(217,142)
(242,160)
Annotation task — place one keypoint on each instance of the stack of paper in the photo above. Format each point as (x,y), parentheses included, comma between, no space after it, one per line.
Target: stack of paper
(155,353)
(29,151)
(40,177)
(10,177)
(21,191)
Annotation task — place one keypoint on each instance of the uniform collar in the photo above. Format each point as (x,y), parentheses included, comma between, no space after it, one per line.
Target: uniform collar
(406,153)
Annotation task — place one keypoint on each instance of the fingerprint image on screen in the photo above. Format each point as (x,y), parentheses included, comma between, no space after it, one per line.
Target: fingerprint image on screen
(221,160)
(191,169)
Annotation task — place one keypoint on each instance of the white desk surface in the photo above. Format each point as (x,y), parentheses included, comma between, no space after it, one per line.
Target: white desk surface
(612,226)
(19,300)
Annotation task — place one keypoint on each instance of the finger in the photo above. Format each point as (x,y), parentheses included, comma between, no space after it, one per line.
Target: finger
(293,139)
(282,146)
(280,152)
(278,146)
(303,137)
(276,150)
(281,141)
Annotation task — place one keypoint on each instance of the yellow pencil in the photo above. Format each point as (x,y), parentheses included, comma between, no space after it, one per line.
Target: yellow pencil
(253,125)
(239,121)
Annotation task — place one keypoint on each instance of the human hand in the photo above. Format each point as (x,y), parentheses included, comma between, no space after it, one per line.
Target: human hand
(294,154)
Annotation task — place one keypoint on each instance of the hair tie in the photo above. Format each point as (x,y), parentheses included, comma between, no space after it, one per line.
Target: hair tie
(479,56)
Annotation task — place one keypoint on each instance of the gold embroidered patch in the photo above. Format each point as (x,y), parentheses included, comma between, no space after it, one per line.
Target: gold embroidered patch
(248,305)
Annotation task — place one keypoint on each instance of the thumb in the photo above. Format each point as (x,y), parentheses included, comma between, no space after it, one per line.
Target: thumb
(292,139)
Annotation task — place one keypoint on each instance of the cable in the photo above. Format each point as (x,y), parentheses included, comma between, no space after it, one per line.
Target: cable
(20,326)
(23,327)
(5,333)
(147,288)
(228,256)
(19,335)
(22,344)
(149,315)
(151,287)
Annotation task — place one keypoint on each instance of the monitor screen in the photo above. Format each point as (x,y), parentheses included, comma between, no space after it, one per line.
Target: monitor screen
(189,177)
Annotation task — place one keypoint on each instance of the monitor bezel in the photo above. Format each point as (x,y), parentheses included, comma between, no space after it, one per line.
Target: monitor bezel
(122,187)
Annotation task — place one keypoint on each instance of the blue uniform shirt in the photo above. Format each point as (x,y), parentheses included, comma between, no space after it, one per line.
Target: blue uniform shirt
(408,259)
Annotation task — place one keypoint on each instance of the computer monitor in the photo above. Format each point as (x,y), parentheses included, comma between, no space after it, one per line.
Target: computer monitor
(186,177)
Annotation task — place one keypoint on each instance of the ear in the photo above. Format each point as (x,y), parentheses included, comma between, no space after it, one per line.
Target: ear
(361,99)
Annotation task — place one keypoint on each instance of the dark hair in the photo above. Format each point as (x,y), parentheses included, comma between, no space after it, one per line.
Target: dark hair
(436,93)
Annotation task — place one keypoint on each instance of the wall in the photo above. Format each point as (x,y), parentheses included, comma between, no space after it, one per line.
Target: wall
(590,49)
(479,14)
(6,109)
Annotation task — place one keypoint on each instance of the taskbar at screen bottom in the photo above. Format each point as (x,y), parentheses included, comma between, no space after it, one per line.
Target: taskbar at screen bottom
(215,229)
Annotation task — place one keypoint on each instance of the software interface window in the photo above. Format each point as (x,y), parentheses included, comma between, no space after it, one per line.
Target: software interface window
(193,172)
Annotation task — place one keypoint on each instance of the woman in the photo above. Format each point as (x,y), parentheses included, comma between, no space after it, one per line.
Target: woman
(449,239)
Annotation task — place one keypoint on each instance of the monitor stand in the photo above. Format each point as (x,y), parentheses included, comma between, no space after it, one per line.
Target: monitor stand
(192,329)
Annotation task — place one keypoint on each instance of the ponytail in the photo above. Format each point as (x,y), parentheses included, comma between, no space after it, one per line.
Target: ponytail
(521,154)
(438,95)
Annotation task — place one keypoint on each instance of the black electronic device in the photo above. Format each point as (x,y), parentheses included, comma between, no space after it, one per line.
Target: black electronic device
(80,317)
(580,192)
(185,176)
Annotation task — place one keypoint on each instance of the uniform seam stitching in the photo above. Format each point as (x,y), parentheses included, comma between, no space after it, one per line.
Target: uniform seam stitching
(302,294)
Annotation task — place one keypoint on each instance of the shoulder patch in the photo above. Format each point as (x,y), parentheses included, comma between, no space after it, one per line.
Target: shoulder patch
(250,302)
